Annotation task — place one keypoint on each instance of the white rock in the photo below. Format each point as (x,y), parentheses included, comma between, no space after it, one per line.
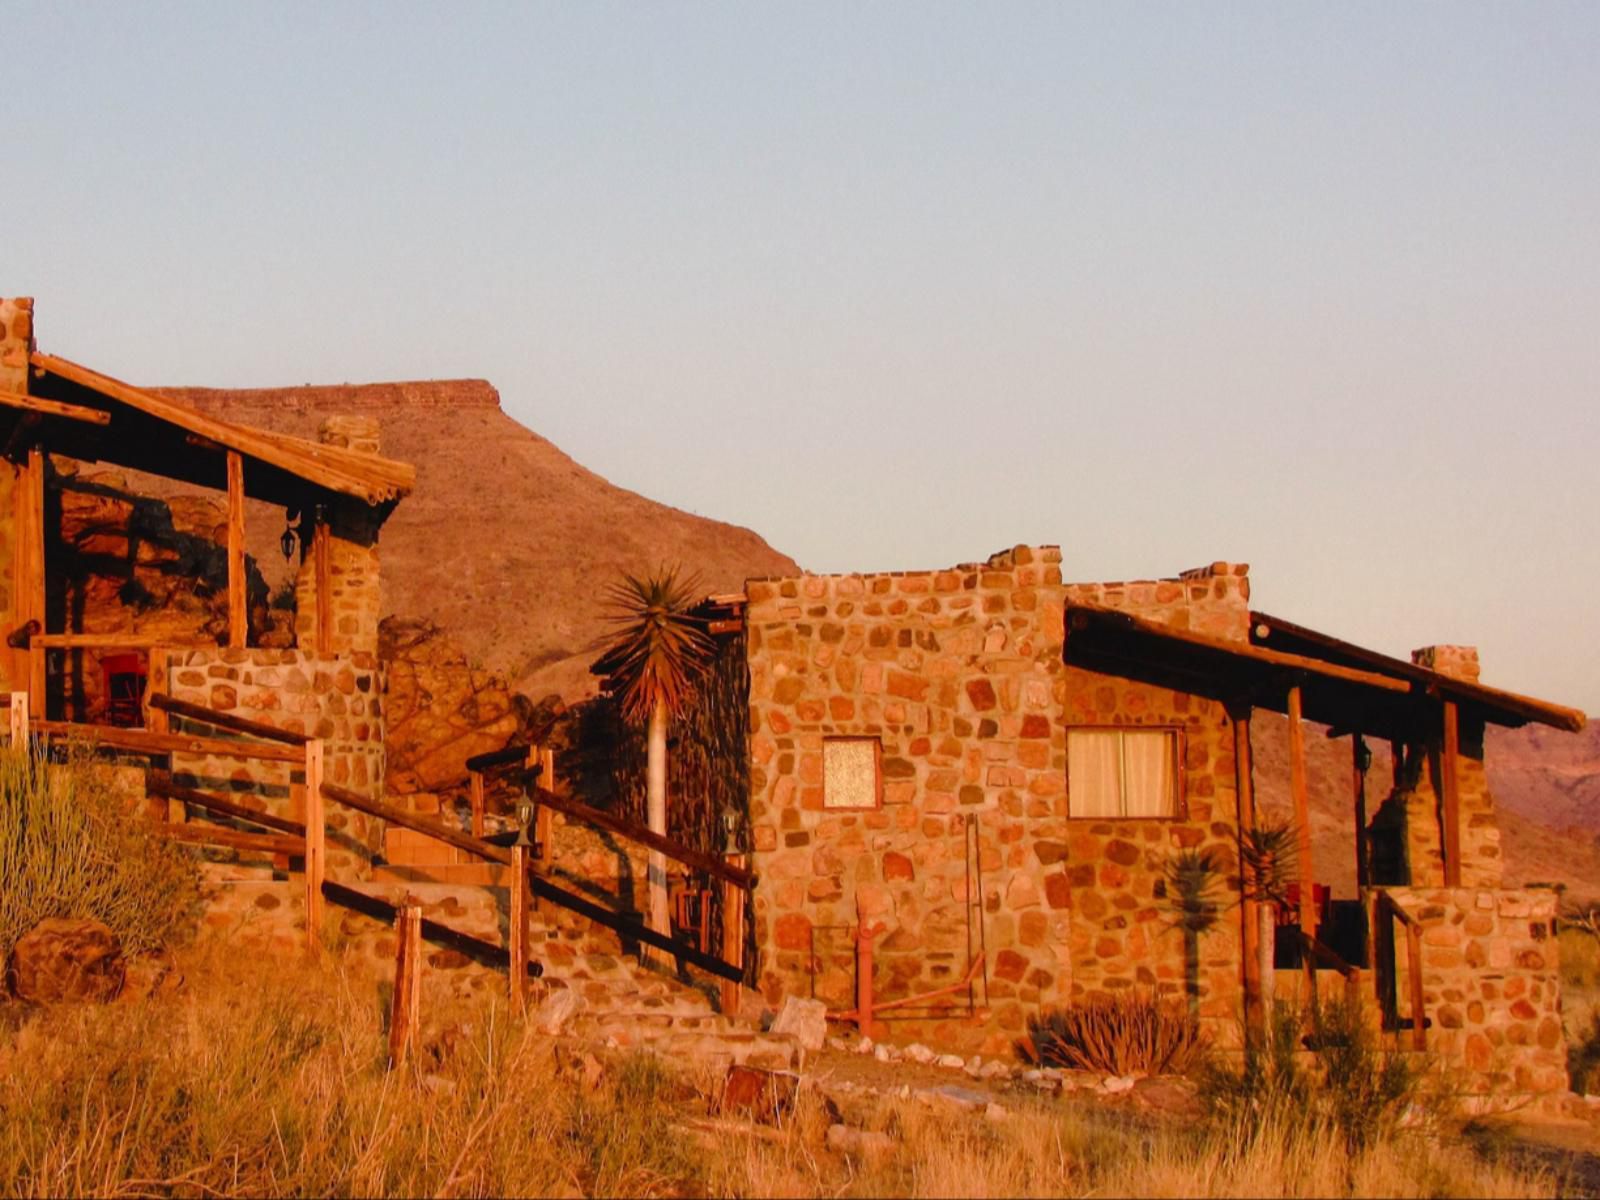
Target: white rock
(882,1054)
(864,1046)
(995,1070)
(952,1062)
(1117,1083)
(918,1053)
(804,1020)
(557,1009)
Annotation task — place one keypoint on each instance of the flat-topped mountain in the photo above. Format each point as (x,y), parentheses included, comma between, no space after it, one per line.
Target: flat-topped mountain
(506,543)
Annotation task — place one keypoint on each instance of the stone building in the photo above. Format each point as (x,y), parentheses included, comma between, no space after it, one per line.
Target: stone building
(992,761)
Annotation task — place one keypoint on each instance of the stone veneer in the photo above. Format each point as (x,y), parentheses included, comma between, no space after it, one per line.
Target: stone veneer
(1491,985)
(354,579)
(339,700)
(960,674)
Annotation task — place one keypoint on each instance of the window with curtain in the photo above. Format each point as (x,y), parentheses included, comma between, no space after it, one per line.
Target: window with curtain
(850,775)
(1122,773)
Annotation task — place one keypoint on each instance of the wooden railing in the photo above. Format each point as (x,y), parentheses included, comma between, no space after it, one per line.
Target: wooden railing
(1386,911)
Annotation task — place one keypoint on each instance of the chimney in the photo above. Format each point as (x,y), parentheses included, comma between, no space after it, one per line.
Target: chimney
(16,342)
(1458,662)
(350,432)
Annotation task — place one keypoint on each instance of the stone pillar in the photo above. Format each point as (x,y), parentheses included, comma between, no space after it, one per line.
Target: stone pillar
(353,552)
(16,342)
(1458,662)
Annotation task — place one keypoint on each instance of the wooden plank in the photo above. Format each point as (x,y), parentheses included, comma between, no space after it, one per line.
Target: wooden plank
(201,834)
(19,718)
(708,863)
(636,930)
(54,408)
(1450,784)
(111,641)
(315,845)
(734,899)
(321,554)
(169,743)
(238,613)
(158,784)
(223,720)
(517,933)
(522,756)
(408,820)
(1299,789)
(404,1005)
(1419,1020)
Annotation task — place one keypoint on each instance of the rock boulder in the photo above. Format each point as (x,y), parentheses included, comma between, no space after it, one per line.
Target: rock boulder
(66,959)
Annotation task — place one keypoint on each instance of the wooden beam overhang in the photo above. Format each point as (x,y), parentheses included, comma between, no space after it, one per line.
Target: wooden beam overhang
(376,481)
(1486,703)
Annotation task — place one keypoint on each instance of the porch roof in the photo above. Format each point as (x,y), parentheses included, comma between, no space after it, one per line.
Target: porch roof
(1363,692)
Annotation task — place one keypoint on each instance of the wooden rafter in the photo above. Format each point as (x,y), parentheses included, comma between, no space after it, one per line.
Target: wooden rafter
(54,408)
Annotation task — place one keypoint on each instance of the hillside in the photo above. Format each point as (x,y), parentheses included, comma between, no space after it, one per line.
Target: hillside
(507,543)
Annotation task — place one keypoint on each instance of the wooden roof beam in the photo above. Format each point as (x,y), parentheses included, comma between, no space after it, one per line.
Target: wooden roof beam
(55,408)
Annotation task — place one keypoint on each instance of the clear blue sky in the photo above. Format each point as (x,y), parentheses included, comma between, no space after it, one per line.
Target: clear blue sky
(1315,287)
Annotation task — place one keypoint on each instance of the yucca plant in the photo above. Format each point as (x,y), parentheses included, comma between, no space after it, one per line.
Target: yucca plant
(1126,1035)
(654,662)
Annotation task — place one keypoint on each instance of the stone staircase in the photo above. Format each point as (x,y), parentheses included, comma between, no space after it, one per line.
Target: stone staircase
(620,1001)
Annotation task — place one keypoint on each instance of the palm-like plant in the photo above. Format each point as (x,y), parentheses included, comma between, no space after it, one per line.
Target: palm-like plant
(654,660)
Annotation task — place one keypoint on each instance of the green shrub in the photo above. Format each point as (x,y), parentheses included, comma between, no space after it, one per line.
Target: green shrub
(69,847)
(1127,1035)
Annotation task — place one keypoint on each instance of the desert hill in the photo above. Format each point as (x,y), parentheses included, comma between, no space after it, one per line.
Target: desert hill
(507,544)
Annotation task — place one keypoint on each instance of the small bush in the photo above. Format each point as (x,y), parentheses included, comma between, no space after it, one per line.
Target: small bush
(1350,1086)
(69,847)
(1128,1035)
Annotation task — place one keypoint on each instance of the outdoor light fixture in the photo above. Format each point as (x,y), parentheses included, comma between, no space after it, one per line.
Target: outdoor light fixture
(730,825)
(287,540)
(524,818)
(1363,754)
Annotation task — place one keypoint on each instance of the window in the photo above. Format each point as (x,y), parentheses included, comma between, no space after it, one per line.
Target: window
(1123,773)
(850,776)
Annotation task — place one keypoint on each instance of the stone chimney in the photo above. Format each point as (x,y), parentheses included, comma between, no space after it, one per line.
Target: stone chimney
(16,342)
(353,560)
(1458,662)
(350,432)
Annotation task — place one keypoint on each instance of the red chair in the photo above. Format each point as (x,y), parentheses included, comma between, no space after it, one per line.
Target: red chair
(123,677)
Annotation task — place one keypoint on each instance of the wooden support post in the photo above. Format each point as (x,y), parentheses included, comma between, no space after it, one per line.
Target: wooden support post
(321,554)
(1449,784)
(1302,813)
(238,612)
(1358,764)
(734,899)
(475,784)
(542,815)
(1250,932)
(28,573)
(315,845)
(1419,1032)
(517,935)
(19,719)
(405,1008)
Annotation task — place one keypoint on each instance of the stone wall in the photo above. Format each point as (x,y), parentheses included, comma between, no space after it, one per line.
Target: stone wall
(355,582)
(1491,985)
(960,675)
(339,700)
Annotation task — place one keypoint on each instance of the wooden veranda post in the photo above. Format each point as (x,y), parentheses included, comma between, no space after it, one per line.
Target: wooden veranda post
(1360,760)
(28,568)
(733,927)
(541,816)
(517,935)
(238,613)
(322,563)
(475,782)
(19,719)
(1449,783)
(405,1007)
(315,844)
(1244,785)
(1302,813)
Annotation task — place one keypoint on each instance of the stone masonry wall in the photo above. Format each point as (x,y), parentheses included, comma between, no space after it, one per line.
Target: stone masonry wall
(960,675)
(353,557)
(1491,985)
(338,700)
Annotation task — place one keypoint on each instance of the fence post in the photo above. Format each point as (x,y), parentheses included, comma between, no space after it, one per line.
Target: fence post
(315,844)
(734,900)
(19,719)
(542,815)
(517,939)
(1419,1032)
(404,1008)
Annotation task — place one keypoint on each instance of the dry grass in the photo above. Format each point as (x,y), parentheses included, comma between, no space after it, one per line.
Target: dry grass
(1124,1035)
(70,848)
(254,1079)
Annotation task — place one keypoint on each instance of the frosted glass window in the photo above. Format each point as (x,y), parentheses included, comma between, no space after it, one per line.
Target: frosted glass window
(1122,773)
(850,773)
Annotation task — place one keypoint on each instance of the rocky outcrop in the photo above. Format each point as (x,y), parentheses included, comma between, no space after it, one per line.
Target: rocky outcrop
(66,959)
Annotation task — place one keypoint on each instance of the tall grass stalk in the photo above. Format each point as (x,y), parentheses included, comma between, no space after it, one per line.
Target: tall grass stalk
(69,847)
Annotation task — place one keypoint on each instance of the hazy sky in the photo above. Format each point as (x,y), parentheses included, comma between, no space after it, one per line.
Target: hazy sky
(1315,287)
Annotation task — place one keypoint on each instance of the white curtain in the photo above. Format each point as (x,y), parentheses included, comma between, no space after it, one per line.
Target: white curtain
(1094,773)
(1148,773)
